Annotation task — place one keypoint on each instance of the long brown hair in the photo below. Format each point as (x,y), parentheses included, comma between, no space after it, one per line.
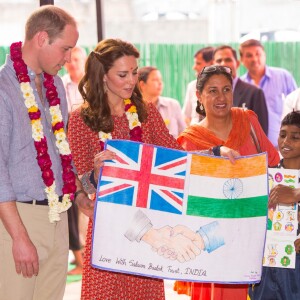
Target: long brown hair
(96,111)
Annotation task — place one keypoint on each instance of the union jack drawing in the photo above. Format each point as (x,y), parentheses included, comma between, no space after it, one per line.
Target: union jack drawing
(145,176)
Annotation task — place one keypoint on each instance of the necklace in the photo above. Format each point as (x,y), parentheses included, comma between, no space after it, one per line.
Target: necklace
(40,141)
(135,130)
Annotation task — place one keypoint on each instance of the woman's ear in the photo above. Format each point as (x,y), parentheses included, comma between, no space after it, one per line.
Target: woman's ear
(142,85)
(198,95)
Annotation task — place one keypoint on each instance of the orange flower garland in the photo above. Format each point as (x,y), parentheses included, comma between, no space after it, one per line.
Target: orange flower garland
(135,132)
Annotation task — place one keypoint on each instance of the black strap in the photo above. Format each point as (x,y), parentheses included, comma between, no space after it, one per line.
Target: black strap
(255,139)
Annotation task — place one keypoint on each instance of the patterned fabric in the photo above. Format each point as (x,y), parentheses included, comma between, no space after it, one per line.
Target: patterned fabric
(84,143)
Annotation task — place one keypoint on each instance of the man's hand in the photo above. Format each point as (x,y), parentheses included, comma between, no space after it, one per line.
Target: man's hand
(26,257)
(24,252)
(172,245)
(190,234)
(85,204)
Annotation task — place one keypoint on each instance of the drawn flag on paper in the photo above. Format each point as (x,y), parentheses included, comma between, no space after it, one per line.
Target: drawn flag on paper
(233,192)
(148,193)
(144,176)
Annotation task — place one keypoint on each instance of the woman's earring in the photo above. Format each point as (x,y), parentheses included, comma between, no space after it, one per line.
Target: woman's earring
(105,86)
(201,107)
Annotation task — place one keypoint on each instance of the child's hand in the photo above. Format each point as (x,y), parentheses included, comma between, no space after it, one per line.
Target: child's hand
(282,194)
(297,245)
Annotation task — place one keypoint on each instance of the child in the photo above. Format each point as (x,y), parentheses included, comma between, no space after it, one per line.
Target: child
(279,283)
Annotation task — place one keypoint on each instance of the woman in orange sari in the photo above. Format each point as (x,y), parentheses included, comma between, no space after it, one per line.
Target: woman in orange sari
(227,131)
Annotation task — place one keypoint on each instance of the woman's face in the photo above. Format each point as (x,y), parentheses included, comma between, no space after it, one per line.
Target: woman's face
(121,78)
(216,96)
(154,84)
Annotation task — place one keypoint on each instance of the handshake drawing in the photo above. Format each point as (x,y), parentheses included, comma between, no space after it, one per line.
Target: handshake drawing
(178,242)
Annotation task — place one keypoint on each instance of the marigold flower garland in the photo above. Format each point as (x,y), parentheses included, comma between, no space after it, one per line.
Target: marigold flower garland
(135,132)
(40,141)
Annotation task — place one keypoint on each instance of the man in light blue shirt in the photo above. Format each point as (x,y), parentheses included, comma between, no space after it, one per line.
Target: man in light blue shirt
(275,82)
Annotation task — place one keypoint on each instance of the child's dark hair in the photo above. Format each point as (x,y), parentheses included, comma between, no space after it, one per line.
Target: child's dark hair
(292,118)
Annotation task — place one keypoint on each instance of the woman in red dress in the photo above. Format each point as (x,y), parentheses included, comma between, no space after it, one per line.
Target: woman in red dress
(114,109)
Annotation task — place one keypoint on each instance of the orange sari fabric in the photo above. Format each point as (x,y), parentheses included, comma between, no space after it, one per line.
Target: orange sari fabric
(196,138)
(204,139)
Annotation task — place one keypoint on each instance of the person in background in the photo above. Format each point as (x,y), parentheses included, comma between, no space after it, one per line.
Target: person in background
(283,283)
(245,95)
(202,58)
(275,82)
(114,109)
(37,181)
(224,129)
(291,102)
(75,69)
(151,85)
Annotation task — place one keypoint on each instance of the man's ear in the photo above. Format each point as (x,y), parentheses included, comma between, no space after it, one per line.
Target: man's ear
(42,38)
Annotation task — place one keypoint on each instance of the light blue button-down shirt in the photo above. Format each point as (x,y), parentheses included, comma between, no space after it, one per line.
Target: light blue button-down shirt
(21,177)
(277,83)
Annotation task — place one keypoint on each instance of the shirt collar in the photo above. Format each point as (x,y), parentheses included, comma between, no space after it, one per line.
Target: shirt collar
(267,74)
(31,74)
(161,102)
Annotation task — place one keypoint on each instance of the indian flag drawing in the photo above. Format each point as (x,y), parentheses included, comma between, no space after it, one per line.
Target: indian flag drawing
(226,190)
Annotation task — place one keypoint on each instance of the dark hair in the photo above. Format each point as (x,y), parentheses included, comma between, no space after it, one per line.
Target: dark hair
(207,53)
(250,43)
(143,73)
(49,18)
(292,118)
(96,111)
(223,47)
(205,75)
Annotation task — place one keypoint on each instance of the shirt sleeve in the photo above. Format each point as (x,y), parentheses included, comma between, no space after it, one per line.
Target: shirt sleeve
(6,128)
(156,131)
(180,122)
(187,105)
(139,225)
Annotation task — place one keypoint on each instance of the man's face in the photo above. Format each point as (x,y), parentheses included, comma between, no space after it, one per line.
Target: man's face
(200,63)
(53,55)
(254,59)
(225,58)
(76,66)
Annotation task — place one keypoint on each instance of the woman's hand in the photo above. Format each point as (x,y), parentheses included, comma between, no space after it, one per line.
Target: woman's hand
(99,161)
(230,153)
